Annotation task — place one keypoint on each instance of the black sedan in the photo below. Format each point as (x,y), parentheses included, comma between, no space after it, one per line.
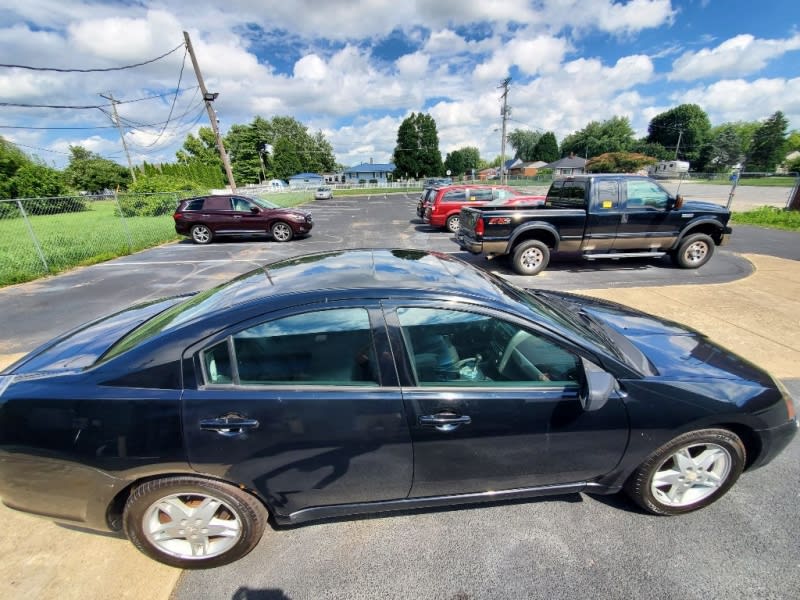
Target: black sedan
(368,381)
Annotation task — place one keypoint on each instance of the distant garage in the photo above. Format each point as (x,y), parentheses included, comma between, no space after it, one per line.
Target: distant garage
(305,180)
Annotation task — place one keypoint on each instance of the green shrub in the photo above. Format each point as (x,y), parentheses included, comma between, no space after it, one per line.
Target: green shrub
(149,205)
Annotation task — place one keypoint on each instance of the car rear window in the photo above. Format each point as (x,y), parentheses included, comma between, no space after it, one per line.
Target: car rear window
(567,194)
(195,204)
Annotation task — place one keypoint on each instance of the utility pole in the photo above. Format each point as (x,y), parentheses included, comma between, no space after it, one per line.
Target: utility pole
(504,114)
(110,97)
(680,134)
(208,98)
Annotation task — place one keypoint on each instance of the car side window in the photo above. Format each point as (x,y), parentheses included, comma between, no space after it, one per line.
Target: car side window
(455,196)
(241,205)
(449,347)
(645,195)
(196,204)
(325,347)
(607,195)
(480,195)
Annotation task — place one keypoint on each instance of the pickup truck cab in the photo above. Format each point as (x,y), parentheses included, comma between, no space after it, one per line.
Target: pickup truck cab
(600,216)
(443,205)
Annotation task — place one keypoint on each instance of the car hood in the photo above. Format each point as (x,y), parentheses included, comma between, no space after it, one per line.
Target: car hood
(84,345)
(675,351)
(700,206)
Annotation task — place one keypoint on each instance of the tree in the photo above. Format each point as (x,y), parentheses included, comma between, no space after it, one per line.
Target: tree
(11,160)
(462,160)
(793,141)
(417,151)
(613,135)
(687,122)
(523,141)
(91,172)
(769,141)
(653,149)
(200,149)
(546,148)
(248,144)
(37,180)
(726,148)
(285,160)
(618,162)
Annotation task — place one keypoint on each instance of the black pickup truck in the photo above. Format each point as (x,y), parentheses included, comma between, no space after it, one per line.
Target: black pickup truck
(600,216)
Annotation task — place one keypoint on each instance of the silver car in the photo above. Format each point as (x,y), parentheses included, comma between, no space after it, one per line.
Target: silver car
(323,193)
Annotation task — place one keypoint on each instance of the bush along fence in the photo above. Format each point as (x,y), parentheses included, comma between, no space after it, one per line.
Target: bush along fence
(41,236)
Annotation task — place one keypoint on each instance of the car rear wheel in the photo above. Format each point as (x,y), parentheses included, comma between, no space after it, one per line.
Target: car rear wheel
(530,257)
(201,234)
(193,523)
(453,223)
(281,232)
(690,472)
(694,251)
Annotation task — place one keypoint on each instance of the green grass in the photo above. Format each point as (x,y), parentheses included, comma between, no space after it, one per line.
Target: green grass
(71,239)
(749,182)
(769,216)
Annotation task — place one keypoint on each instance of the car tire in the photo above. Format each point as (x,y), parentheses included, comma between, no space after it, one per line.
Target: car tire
(281,232)
(237,516)
(531,257)
(453,223)
(694,251)
(201,234)
(688,473)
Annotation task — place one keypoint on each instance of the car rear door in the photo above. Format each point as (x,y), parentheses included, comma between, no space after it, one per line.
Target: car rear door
(646,223)
(302,405)
(500,426)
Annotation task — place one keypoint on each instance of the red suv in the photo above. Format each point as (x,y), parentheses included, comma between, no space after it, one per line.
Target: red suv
(207,217)
(443,204)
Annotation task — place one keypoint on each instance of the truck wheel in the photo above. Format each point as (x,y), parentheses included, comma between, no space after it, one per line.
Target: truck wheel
(531,257)
(694,251)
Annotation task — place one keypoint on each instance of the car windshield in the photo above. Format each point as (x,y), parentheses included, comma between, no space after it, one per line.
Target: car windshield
(263,203)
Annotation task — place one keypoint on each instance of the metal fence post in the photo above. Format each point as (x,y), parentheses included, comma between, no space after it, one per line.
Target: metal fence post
(33,236)
(124,223)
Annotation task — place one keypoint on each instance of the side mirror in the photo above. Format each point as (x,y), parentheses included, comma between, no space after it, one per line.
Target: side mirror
(678,202)
(597,388)
(254,210)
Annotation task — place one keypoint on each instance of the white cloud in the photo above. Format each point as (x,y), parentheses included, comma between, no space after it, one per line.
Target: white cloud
(738,56)
(742,100)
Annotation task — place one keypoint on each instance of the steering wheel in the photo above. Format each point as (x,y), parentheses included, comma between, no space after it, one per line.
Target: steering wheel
(527,365)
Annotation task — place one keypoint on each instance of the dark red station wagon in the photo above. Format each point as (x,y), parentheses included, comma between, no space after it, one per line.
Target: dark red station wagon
(206,217)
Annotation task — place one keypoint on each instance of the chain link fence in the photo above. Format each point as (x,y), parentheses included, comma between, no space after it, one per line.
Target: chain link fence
(41,236)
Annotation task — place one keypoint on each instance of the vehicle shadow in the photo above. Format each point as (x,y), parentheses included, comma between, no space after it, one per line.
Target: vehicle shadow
(245,593)
(572,263)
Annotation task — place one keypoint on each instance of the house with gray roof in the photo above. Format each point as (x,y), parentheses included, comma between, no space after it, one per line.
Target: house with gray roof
(570,165)
(369,172)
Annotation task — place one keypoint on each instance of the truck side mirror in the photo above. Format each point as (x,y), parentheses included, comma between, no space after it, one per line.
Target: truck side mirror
(678,202)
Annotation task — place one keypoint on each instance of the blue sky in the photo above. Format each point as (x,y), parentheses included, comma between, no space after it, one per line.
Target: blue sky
(355,69)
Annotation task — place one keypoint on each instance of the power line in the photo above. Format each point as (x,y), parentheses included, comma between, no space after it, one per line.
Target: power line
(92,106)
(57,70)
(174,100)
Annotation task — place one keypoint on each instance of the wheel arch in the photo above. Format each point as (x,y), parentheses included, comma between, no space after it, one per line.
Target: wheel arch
(710,227)
(117,505)
(546,234)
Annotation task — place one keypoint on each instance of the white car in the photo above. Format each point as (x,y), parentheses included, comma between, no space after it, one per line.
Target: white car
(323,193)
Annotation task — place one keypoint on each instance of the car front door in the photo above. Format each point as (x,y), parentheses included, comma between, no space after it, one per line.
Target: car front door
(645,220)
(493,405)
(245,219)
(302,406)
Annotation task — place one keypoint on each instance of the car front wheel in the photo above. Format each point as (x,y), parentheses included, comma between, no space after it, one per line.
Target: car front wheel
(193,523)
(695,251)
(530,257)
(690,472)
(281,232)
(201,234)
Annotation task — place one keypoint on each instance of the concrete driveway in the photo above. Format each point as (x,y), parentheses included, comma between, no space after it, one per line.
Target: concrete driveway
(744,546)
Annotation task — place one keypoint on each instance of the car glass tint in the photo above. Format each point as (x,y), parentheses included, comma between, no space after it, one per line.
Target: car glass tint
(448,347)
(480,195)
(326,347)
(217,203)
(241,205)
(196,204)
(645,195)
(607,194)
(455,196)
(554,193)
(217,364)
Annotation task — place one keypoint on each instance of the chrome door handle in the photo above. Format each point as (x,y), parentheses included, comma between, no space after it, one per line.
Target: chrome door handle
(444,421)
(229,425)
